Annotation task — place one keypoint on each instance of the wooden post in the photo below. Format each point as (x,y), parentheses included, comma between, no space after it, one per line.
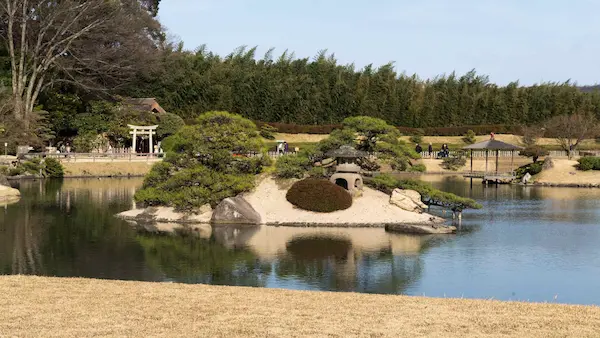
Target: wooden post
(486,161)
(512,161)
(497,155)
(471,161)
(150,150)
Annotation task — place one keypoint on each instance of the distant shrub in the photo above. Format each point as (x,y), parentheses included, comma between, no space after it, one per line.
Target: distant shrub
(32,166)
(418,168)
(168,124)
(4,170)
(319,196)
(52,168)
(470,137)
(531,168)
(589,163)
(399,163)
(317,172)
(16,171)
(454,162)
(417,136)
(267,131)
(292,166)
(534,151)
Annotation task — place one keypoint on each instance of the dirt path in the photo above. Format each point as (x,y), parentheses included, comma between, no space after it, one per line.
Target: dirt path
(50,307)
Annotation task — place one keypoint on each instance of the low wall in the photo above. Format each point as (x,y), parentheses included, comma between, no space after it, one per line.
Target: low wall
(91,169)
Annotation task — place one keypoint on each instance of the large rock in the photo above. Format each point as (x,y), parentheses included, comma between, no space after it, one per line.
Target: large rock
(235,210)
(548,163)
(9,195)
(408,200)
(4,181)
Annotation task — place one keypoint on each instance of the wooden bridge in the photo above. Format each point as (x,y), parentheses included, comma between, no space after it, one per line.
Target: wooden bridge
(492,177)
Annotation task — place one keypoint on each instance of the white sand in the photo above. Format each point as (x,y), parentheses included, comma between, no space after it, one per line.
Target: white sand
(371,209)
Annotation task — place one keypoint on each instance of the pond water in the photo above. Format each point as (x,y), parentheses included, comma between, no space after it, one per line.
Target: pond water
(528,243)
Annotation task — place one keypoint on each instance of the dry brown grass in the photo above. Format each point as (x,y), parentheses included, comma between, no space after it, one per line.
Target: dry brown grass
(106,168)
(565,172)
(46,307)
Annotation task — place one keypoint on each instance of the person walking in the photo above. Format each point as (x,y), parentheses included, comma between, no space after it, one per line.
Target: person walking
(430,149)
(418,149)
(285,147)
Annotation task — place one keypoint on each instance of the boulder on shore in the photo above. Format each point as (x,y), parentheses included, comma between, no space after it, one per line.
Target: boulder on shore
(548,163)
(235,210)
(420,229)
(409,200)
(9,195)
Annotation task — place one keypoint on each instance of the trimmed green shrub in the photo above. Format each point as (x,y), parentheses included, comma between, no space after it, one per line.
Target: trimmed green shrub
(292,166)
(417,136)
(205,163)
(319,196)
(531,168)
(589,163)
(418,168)
(267,131)
(534,151)
(454,162)
(168,124)
(317,172)
(53,168)
(470,137)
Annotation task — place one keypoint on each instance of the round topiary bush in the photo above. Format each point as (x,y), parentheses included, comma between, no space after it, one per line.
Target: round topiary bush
(318,195)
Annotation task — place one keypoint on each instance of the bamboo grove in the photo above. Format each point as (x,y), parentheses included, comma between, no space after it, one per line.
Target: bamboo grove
(321,91)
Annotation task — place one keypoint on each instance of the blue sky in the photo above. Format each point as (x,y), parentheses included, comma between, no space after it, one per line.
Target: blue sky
(527,40)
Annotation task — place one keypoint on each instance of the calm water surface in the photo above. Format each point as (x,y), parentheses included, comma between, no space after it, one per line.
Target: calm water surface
(535,244)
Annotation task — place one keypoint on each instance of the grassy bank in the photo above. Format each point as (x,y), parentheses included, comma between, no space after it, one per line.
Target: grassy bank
(45,307)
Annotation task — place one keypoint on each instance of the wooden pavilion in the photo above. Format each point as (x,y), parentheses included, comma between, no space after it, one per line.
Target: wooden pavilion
(493,146)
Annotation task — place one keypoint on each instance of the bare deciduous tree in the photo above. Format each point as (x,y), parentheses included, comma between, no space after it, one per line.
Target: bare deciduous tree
(570,130)
(94,44)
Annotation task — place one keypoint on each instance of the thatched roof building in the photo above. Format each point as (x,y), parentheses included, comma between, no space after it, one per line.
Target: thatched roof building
(145,104)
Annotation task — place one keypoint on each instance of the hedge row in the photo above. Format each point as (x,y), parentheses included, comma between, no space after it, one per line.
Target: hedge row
(462,130)
(289,128)
(589,163)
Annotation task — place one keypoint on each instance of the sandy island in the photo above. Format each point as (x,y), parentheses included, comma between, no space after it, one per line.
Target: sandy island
(73,307)
(371,209)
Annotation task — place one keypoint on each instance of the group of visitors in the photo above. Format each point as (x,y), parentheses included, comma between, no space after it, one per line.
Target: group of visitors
(282,148)
(444,152)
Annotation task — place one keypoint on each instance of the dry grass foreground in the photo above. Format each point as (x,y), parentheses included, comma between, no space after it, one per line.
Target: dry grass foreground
(45,307)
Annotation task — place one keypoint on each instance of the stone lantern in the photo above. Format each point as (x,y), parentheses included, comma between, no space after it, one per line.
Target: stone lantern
(347,172)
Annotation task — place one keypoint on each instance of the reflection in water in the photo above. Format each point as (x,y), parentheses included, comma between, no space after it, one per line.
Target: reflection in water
(527,243)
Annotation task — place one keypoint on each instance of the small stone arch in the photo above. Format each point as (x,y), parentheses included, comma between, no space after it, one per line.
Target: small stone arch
(342,182)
